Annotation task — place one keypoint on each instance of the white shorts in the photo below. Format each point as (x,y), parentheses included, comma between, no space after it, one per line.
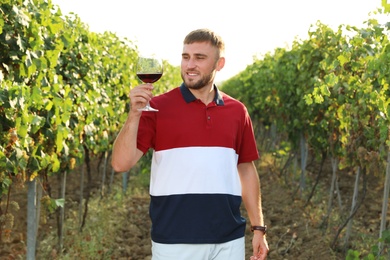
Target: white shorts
(232,250)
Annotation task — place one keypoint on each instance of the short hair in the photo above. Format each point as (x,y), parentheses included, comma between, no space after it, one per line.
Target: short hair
(206,35)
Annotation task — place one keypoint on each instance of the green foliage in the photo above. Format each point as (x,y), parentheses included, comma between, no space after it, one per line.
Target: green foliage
(375,253)
(62,87)
(63,90)
(98,238)
(50,204)
(386,6)
(332,88)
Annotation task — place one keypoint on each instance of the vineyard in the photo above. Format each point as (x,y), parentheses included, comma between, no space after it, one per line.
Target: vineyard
(321,112)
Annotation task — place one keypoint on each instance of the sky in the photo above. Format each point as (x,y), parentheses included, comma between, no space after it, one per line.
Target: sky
(249,27)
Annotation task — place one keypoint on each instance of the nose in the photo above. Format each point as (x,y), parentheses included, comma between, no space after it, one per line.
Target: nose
(191,63)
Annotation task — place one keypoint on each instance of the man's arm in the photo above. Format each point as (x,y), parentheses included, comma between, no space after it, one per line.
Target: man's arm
(125,153)
(251,196)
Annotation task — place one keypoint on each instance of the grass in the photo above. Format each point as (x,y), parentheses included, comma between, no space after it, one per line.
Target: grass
(96,240)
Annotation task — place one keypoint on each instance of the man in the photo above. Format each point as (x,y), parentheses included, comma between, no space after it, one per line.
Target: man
(202,165)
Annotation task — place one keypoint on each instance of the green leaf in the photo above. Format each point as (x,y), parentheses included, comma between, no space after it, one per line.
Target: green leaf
(1,25)
(21,17)
(343,59)
(52,57)
(59,139)
(55,163)
(60,202)
(36,95)
(22,130)
(37,123)
(386,6)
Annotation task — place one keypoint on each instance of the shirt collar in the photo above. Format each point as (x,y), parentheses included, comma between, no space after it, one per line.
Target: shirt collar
(189,97)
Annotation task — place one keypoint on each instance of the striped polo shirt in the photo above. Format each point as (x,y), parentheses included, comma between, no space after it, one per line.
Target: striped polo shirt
(195,187)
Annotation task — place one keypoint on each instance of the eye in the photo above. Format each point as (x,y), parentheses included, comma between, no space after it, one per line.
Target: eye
(200,57)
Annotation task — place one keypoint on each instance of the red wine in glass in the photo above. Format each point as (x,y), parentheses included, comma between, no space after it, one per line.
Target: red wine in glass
(149,70)
(149,77)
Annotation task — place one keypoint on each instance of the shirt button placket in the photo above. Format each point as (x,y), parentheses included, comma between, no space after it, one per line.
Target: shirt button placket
(208,118)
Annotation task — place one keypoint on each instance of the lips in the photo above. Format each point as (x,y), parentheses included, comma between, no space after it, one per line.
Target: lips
(192,74)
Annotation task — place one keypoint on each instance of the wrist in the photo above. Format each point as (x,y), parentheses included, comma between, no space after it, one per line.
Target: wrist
(259,228)
(134,114)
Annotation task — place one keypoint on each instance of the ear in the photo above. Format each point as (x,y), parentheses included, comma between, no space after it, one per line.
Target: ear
(220,63)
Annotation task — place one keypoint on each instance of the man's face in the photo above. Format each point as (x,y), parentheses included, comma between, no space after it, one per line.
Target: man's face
(199,64)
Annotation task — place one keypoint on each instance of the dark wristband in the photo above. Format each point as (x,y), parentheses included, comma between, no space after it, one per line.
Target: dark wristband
(260,228)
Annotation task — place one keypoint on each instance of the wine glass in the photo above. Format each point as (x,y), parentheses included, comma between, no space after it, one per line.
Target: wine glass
(149,70)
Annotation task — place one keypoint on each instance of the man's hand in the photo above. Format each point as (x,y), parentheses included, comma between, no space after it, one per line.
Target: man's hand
(140,95)
(260,246)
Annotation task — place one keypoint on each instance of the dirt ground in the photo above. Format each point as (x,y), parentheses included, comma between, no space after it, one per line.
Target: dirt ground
(293,230)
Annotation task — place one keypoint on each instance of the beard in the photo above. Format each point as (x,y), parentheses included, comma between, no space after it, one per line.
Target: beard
(201,83)
(204,81)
